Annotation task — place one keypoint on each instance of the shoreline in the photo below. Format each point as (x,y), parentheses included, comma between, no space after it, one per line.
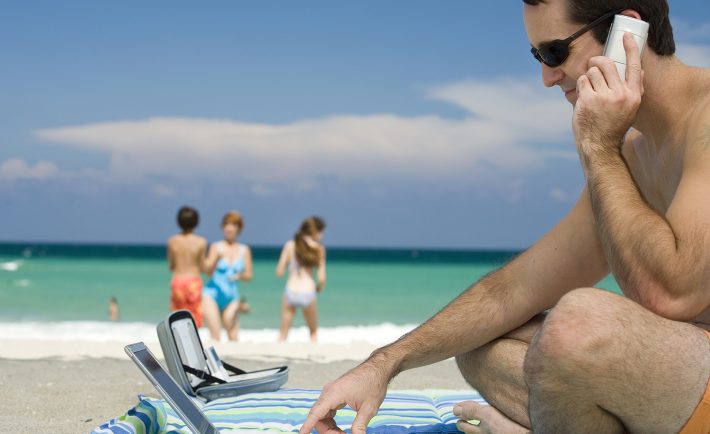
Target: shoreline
(13,349)
(130,332)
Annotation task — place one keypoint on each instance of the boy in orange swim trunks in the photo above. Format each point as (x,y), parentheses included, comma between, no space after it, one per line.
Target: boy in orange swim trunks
(186,253)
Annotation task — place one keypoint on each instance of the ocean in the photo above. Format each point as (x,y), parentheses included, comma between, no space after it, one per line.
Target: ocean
(61,291)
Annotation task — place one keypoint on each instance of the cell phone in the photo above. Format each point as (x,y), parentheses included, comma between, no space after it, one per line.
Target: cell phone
(614,47)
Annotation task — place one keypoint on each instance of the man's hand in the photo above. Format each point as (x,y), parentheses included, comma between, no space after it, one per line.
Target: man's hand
(606,105)
(363,389)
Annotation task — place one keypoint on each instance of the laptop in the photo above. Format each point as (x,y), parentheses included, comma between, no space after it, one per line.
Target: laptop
(169,389)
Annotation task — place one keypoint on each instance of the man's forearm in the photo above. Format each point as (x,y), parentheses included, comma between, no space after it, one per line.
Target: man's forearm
(639,244)
(482,313)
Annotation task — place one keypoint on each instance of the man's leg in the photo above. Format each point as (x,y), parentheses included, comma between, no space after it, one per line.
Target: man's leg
(603,363)
(496,371)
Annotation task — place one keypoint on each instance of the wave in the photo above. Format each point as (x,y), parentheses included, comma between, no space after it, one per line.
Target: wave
(10,265)
(102,331)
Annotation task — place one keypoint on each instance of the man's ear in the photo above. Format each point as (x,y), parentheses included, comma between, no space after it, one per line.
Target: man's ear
(630,13)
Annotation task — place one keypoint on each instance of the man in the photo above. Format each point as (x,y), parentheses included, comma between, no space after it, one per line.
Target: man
(596,362)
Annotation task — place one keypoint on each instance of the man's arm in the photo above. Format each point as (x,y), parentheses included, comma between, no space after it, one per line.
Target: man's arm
(568,257)
(661,261)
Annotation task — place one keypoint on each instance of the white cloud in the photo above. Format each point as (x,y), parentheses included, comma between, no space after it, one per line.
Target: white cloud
(15,169)
(505,116)
(694,55)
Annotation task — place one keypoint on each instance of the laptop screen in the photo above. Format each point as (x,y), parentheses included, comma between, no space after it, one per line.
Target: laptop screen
(169,389)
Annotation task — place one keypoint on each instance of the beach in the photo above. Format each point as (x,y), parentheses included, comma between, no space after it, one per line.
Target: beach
(62,364)
(59,388)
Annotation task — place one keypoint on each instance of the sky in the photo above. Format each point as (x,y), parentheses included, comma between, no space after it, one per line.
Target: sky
(404,123)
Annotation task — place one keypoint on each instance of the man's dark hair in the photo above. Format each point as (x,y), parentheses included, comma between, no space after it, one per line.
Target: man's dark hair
(188,218)
(655,12)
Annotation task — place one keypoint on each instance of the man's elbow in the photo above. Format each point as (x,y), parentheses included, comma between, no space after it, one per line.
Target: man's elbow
(677,306)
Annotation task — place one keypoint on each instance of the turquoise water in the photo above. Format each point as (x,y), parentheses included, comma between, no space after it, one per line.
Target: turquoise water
(365,286)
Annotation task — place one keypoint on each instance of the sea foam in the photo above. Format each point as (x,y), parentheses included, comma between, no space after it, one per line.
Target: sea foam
(10,265)
(103,331)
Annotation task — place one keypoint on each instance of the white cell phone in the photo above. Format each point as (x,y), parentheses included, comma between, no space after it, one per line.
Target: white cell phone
(614,47)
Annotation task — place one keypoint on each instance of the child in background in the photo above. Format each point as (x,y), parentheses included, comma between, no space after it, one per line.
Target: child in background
(186,253)
(113,311)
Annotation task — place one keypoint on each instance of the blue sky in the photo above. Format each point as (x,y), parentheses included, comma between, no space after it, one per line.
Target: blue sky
(403,123)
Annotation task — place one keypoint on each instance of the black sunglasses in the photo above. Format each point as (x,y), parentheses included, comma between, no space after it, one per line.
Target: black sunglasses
(554,53)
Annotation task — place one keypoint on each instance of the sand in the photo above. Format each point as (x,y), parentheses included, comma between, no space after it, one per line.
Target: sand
(72,387)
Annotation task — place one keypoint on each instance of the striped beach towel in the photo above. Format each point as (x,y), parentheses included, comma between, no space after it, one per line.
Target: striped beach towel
(284,411)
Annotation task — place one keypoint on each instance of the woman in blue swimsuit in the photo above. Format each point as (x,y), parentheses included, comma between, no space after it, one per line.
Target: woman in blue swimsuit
(302,255)
(228,262)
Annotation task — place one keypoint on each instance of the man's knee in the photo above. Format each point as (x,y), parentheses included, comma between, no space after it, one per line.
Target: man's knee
(573,337)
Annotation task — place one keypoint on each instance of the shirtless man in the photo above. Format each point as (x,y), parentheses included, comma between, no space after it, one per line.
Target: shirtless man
(186,253)
(597,362)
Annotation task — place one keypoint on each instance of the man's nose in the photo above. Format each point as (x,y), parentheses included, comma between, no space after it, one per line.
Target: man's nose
(551,76)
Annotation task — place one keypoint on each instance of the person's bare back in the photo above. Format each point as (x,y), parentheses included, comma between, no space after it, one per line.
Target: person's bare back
(186,254)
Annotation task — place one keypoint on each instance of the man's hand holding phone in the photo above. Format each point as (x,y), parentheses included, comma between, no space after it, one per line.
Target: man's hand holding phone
(607,104)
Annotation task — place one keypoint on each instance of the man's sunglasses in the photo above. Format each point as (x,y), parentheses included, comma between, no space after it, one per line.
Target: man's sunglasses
(554,53)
